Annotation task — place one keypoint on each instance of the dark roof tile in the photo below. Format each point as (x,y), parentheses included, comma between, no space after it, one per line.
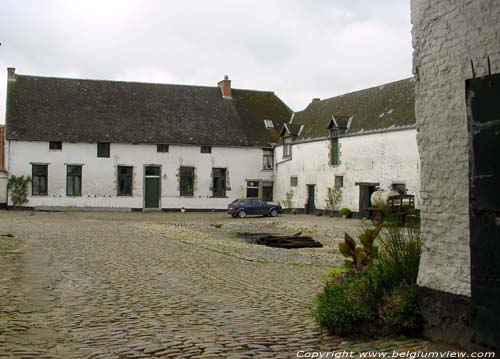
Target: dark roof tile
(72,110)
(385,107)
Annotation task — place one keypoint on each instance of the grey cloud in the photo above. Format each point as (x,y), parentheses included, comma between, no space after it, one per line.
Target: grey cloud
(299,49)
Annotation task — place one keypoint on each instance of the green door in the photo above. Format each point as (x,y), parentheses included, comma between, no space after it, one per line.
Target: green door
(152,187)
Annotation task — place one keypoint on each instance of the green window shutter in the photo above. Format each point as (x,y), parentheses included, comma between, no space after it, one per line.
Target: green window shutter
(335,151)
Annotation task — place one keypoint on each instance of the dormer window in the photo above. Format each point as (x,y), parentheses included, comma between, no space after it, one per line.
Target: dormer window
(287,146)
(269,123)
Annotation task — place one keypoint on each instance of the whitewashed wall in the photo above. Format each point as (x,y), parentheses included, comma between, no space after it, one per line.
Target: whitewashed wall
(99,177)
(3,187)
(380,157)
(446,37)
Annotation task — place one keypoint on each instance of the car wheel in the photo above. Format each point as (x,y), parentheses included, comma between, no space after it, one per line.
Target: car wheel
(242,214)
(273,213)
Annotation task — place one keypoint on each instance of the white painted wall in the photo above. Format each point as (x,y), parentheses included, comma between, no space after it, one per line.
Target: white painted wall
(99,187)
(380,157)
(447,35)
(3,187)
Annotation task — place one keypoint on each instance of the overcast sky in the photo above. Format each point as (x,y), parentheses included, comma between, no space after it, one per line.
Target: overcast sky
(299,49)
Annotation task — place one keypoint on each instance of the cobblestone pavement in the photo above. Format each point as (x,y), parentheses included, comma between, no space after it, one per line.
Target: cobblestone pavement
(162,285)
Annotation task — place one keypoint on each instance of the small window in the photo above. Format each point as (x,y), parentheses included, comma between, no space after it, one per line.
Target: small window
(125,176)
(339,181)
(162,147)
(400,188)
(287,147)
(268,159)
(206,149)
(294,181)
(252,189)
(55,145)
(186,181)
(269,123)
(153,171)
(219,182)
(103,149)
(74,180)
(39,176)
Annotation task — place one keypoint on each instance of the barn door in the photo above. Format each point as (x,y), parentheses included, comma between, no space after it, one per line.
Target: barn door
(483,108)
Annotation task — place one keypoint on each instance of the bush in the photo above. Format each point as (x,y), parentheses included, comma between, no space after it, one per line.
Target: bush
(399,312)
(399,258)
(19,189)
(337,308)
(381,297)
(345,212)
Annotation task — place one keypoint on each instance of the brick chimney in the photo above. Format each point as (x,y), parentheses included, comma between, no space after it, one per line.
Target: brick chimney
(225,86)
(2,148)
(11,74)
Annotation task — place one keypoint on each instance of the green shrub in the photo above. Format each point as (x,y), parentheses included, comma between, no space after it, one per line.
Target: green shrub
(382,295)
(338,308)
(399,312)
(362,255)
(18,185)
(399,257)
(345,212)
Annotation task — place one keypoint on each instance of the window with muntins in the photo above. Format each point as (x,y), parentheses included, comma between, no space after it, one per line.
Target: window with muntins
(39,179)
(268,159)
(103,149)
(335,153)
(125,176)
(186,181)
(253,189)
(219,182)
(287,147)
(74,180)
(55,145)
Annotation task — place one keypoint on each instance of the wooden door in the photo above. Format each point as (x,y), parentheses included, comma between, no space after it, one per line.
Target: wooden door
(152,187)
(311,194)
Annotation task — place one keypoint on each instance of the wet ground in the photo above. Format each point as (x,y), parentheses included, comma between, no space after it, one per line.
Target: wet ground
(164,285)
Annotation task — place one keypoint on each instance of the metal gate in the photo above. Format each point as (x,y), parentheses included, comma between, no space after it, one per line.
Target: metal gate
(483,109)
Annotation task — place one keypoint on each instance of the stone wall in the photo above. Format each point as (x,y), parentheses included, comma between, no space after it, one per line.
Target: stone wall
(385,158)
(99,175)
(447,35)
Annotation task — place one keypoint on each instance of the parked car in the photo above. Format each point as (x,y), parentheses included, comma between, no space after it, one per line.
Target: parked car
(251,206)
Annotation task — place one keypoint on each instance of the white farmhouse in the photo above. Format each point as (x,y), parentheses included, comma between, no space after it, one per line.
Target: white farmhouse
(354,142)
(126,145)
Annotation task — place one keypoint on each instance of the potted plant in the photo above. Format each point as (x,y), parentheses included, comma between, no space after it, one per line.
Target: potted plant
(345,212)
(333,199)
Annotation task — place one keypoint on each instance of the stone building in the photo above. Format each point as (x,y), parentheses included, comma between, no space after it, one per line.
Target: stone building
(108,144)
(3,171)
(456,65)
(353,143)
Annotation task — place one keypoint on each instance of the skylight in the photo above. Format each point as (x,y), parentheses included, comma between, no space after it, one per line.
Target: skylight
(268,123)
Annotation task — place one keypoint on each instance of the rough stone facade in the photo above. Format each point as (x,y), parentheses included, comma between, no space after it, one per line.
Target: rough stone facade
(453,41)
(385,158)
(447,36)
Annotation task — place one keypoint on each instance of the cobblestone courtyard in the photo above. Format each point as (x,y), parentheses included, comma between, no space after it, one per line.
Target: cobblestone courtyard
(163,285)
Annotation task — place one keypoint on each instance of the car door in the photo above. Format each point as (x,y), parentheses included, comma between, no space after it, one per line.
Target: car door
(261,207)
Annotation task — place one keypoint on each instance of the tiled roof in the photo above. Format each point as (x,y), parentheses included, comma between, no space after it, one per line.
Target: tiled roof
(386,107)
(72,110)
